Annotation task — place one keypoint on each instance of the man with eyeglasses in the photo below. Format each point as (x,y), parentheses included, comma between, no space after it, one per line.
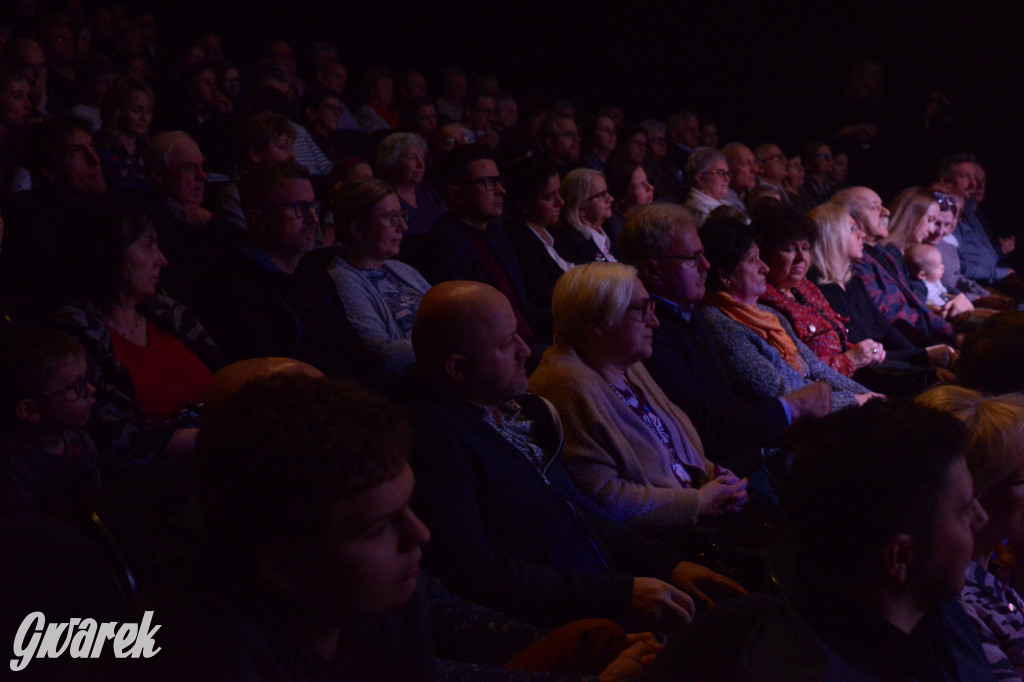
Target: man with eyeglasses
(469,242)
(257,302)
(661,241)
(561,140)
(771,169)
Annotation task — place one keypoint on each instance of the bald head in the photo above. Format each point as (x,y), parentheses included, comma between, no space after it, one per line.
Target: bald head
(465,339)
(226,382)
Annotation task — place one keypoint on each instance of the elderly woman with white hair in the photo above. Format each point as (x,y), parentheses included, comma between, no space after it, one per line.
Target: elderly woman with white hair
(587,205)
(402,162)
(709,175)
(626,444)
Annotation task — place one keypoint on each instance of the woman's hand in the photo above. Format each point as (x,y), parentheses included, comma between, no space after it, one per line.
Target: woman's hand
(725,492)
(865,353)
(940,355)
(870,395)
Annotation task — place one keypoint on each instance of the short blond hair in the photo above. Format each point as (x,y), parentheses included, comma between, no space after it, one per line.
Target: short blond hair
(574,190)
(828,253)
(596,290)
(995,425)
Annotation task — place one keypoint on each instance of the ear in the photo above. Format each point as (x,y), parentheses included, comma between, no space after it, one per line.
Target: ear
(28,411)
(457,368)
(274,568)
(920,274)
(650,273)
(897,557)
(451,195)
(721,275)
(254,158)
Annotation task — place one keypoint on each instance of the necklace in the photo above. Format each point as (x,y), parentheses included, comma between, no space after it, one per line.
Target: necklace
(126,333)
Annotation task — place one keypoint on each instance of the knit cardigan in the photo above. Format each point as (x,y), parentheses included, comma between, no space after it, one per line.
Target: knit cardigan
(611,453)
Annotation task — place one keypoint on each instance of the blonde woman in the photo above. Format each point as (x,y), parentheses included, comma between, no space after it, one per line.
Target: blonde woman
(995,457)
(840,243)
(588,203)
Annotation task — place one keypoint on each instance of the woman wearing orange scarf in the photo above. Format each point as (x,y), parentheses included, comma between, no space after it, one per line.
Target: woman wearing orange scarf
(758,347)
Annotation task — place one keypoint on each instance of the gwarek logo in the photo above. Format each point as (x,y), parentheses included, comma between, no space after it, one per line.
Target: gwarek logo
(81,638)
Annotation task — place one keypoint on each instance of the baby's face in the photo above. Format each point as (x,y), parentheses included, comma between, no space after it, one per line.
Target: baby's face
(933,268)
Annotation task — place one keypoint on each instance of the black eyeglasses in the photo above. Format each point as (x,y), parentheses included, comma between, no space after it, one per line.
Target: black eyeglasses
(76,391)
(489,183)
(300,209)
(688,262)
(646,309)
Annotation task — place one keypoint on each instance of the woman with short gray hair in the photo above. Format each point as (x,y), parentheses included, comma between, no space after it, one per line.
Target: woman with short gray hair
(401,161)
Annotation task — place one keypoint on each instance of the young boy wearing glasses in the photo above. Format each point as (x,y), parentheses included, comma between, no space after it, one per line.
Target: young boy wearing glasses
(47,462)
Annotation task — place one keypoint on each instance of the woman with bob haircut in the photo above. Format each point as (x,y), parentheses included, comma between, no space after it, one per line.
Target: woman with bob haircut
(995,457)
(626,444)
(402,161)
(587,205)
(379,293)
(127,112)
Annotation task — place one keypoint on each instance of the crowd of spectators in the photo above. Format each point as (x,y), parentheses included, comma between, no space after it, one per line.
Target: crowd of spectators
(629,366)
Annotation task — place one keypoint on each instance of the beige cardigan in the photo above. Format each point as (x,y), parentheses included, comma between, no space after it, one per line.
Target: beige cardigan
(611,453)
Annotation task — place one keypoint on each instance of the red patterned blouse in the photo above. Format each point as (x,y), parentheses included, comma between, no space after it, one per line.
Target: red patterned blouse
(815,323)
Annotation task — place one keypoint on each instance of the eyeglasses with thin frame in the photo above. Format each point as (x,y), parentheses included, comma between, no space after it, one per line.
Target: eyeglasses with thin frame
(300,209)
(392,219)
(489,182)
(646,309)
(727,174)
(603,194)
(687,262)
(76,391)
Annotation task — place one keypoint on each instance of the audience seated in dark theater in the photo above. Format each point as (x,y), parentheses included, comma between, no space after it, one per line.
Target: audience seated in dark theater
(771,169)
(883,272)
(202,111)
(47,462)
(57,42)
(661,241)
(419,116)
(380,294)
(323,116)
(683,130)
(796,177)
(36,260)
(469,242)
(627,445)
(509,529)
(127,113)
(148,357)
(892,567)
(25,55)
(588,204)
(333,76)
(759,348)
(818,185)
(15,110)
(339,603)
(376,115)
(708,174)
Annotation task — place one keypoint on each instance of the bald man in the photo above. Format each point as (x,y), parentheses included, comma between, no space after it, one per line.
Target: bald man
(509,529)
(227,380)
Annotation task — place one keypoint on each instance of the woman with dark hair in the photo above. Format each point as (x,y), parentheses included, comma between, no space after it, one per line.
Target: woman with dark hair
(534,205)
(627,182)
(818,186)
(148,357)
(380,294)
(127,112)
(764,357)
(785,236)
